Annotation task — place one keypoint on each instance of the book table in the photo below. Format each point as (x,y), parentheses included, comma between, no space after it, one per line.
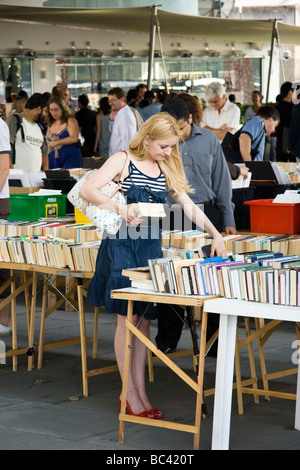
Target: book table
(229,310)
(47,272)
(29,278)
(131,295)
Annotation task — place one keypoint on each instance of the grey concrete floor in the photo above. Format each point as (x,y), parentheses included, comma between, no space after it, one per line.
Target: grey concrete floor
(44,409)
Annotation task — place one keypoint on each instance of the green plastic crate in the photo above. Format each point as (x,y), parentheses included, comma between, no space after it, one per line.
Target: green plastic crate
(31,208)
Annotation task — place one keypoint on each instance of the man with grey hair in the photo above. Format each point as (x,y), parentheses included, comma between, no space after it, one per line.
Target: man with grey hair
(220,116)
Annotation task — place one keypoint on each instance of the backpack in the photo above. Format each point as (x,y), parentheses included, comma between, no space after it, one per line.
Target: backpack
(13,147)
(231,146)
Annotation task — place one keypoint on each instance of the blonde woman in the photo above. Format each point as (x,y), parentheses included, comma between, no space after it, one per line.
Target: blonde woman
(152,168)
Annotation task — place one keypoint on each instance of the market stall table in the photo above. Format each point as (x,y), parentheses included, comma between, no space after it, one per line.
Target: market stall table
(131,295)
(229,310)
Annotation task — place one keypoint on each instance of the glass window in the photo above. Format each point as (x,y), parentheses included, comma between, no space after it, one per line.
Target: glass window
(95,76)
(16,74)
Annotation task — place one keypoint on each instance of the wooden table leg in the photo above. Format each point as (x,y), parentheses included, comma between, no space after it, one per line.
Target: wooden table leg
(32,322)
(199,398)
(42,326)
(82,341)
(95,336)
(125,372)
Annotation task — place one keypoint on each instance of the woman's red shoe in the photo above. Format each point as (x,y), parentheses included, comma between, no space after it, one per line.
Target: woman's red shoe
(157,413)
(144,414)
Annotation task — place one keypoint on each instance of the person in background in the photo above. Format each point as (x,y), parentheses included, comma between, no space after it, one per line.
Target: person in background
(150,167)
(195,106)
(196,109)
(256,100)
(148,105)
(66,96)
(57,90)
(18,105)
(28,141)
(141,88)
(42,121)
(254,132)
(124,126)
(207,172)
(86,119)
(131,97)
(294,134)
(220,116)
(5,150)
(103,133)
(285,108)
(160,95)
(62,135)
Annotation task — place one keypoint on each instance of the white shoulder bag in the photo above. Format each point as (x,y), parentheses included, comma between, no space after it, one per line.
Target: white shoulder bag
(104,219)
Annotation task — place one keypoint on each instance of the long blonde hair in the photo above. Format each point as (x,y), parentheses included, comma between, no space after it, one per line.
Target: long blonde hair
(158,127)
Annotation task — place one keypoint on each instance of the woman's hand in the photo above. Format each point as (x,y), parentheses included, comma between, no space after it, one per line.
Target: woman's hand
(218,246)
(53,143)
(128,213)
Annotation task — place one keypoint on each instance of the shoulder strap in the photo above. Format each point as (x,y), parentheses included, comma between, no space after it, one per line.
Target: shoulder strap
(19,126)
(13,145)
(261,138)
(121,179)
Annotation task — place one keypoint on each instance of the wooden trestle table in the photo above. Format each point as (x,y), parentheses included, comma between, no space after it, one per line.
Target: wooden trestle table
(131,295)
(29,278)
(26,280)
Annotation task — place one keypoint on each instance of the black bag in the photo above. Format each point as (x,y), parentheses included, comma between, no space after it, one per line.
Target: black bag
(231,147)
(13,146)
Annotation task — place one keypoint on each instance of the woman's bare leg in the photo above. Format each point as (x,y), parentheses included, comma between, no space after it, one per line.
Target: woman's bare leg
(133,397)
(139,362)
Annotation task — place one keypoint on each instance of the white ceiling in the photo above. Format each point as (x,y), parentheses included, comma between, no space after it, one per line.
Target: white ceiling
(52,30)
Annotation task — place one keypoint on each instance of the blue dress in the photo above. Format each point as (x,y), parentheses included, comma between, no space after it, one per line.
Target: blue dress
(68,156)
(130,248)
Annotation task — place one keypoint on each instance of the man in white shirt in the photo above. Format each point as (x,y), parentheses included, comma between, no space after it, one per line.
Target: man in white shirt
(220,116)
(29,144)
(124,126)
(5,318)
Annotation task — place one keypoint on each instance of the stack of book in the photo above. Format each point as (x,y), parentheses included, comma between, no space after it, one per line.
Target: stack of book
(61,228)
(267,277)
(194,241)
(47,251)
(286,243)
(173,252)
(140,278)
(187,240)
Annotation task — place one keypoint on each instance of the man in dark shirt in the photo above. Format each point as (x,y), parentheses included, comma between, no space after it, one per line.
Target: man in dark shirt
(285,108)
(86,119)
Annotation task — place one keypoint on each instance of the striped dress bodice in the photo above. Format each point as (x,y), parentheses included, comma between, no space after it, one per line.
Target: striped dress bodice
(138,178)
